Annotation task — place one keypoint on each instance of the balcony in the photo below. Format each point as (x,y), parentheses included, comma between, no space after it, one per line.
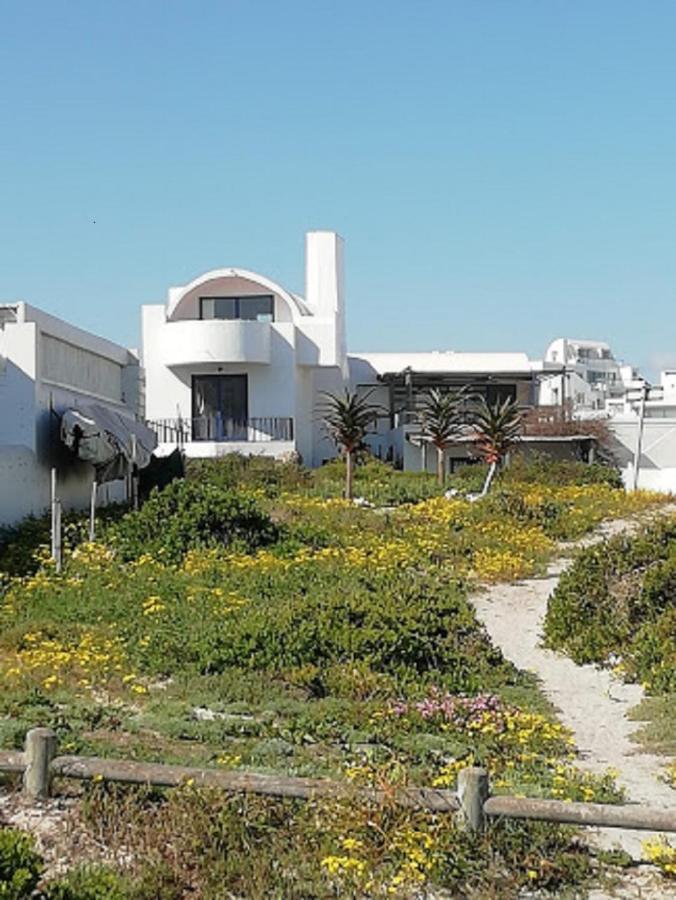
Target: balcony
(220,430)
(197,341)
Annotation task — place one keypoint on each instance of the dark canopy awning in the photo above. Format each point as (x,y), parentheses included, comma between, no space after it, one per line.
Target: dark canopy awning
(109,440)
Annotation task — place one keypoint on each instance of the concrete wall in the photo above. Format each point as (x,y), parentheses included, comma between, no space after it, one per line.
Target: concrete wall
(48,366)
(657,469)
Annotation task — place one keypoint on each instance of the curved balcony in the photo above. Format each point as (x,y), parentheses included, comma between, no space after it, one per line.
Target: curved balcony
(192,342)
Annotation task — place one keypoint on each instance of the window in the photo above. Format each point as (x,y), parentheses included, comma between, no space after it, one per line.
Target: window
(254,308)
(499,393)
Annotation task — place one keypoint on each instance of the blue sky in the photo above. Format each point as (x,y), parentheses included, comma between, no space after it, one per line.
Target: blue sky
(502,171)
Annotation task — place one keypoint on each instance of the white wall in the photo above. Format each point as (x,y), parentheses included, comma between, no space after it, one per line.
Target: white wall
(48,366)
(657,470)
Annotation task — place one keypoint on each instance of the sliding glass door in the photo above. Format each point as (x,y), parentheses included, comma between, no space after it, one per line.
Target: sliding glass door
(220,407)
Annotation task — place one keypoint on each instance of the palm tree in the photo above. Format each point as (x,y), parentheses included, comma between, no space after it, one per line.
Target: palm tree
(441,419)
(497,427)
(348,419)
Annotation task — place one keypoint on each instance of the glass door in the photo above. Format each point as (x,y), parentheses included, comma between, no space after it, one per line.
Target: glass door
(219,407)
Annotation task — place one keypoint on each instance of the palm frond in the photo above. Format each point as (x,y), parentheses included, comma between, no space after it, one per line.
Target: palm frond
(497,428)
(442,416)
(349,417)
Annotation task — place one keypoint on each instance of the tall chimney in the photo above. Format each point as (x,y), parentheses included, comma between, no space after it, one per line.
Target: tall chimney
(324,273)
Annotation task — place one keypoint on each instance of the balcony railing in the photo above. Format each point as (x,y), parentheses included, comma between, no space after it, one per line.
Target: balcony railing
(222,429)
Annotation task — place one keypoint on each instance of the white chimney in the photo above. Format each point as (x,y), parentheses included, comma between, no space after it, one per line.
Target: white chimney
(324,274)
(325,293)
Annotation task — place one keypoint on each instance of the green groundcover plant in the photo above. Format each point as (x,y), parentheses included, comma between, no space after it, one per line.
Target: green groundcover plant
(616,606)
(247,617)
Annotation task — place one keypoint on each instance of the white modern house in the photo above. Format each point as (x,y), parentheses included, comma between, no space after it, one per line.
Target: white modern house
(398,382)
(47,368)
(590,379)
(236,362)
(641,417)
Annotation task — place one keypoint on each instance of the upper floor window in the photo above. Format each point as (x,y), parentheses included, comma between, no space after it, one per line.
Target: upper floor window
(253,308)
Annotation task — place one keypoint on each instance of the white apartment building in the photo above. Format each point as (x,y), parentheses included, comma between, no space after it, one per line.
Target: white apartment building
(591,376)
(48,367)
(236,362)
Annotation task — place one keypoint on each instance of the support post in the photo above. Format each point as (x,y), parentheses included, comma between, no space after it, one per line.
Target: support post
(39,753)
(645,388)
(52,499)
(92,513)
(134,473)
(58,543)
(473,790)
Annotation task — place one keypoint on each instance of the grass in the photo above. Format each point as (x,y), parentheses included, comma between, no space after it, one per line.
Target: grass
(342,644)
(657,734)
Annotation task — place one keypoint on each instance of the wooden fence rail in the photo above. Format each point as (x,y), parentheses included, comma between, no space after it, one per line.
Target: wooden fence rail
(39,764)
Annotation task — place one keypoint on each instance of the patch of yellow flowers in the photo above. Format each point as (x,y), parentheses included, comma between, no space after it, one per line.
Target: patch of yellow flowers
(662,854)
(90,661)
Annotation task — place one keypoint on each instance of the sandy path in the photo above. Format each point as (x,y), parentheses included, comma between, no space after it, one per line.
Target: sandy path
(591,702)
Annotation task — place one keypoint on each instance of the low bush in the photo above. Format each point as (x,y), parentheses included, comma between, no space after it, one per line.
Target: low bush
(20,865)
(209,844)
(235,471)
(542,469)
(90,882)
(617,606)
(377,482)
(21,544)
(188,515)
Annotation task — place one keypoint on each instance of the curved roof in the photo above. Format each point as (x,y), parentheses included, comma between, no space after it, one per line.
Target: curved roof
(295,303)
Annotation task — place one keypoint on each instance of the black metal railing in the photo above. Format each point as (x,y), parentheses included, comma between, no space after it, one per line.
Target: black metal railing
(222,429)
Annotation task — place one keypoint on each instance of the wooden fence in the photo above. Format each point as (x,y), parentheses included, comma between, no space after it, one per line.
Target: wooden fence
(39,764)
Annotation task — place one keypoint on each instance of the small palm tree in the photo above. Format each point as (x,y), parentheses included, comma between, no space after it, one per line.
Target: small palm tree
(348,419)
(441,418)
(497,427)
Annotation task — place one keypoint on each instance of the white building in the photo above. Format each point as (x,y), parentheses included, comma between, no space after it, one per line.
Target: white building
(47,367)
(235,362)
(591,380)
(645,417)
(398,381)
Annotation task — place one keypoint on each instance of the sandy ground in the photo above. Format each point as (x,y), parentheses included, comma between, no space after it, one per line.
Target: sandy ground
(591,702)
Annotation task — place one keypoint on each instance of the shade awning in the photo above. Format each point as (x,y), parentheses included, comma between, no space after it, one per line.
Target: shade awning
(108,440)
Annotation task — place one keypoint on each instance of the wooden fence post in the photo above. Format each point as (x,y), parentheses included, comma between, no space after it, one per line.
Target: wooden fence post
(473,791)
(39,753)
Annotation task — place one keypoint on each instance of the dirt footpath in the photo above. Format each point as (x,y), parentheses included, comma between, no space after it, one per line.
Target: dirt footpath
(591,701)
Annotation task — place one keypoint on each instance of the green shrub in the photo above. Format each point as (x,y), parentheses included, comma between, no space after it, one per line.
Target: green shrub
(235,471)
(617,604)
(422,627)
(377,482)
(188,515)
(19,543)
(20,865)
(542,469)
(88,882)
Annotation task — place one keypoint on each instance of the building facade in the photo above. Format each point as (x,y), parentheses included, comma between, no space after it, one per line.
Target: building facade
(46,367)
(236,362)
(233,361)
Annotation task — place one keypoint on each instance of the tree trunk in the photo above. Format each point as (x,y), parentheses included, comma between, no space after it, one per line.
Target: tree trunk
(489,478)
(440,466)
(349,476)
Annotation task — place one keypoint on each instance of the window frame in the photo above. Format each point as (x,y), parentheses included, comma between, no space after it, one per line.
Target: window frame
(238,307)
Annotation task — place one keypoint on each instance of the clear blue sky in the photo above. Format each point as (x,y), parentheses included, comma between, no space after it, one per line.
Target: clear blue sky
(503,171)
